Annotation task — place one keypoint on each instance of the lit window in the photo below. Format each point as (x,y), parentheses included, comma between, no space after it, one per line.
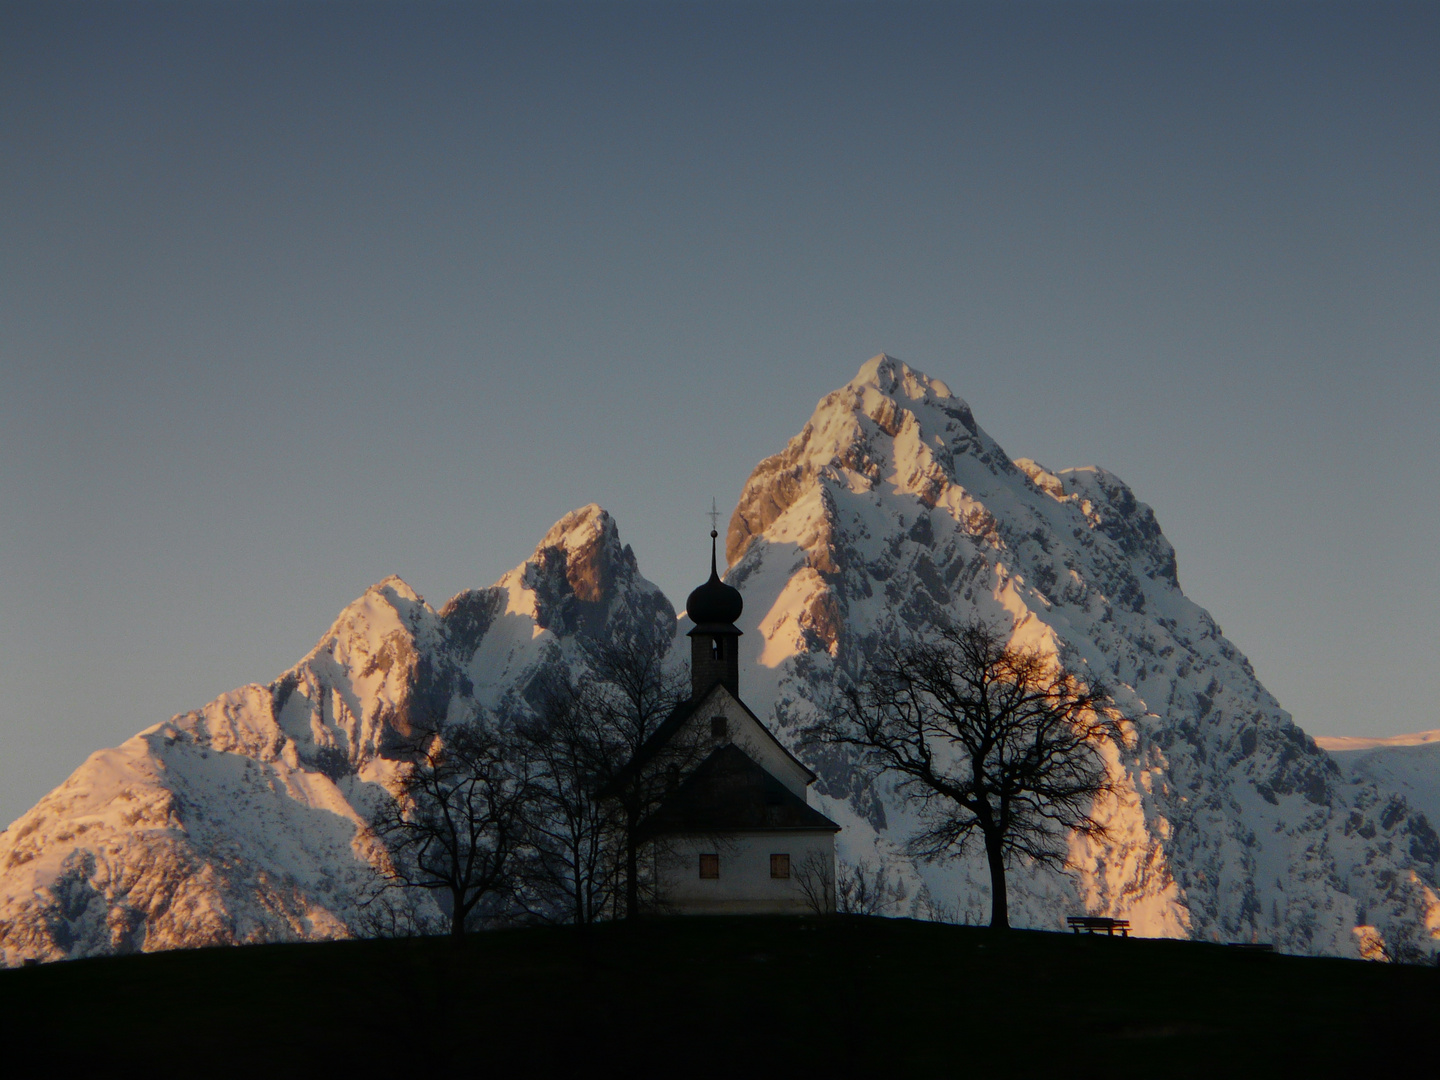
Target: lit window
(709,866)
(780,866)
(717,648)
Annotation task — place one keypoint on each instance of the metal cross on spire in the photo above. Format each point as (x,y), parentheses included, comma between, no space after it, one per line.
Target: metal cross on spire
(714,516)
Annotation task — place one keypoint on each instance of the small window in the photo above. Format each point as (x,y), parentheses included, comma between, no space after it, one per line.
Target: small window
(719,727)
(710,866)
(717,648)
(780,866)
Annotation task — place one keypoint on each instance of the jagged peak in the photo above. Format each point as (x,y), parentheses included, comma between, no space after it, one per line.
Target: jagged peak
(579,529)
(1100,486)
(590,542)
(580,578)
(1112,508)
(1086,482)
(385,607)
(1042,478)
(392,595)
(890,420)
(892,376)
(395,584)
(892,396)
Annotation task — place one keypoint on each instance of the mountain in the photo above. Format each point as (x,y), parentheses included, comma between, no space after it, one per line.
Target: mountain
(890,510)
(241,822)
(1407,766)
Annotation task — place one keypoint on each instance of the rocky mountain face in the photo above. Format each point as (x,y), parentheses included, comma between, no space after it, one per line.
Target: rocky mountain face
(242,821)
(890,510)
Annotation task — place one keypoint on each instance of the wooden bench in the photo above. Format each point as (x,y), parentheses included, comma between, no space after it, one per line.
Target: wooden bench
(1098,924)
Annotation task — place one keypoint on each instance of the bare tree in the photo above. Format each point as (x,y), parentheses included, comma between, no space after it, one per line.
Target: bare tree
(626,697)
(393,912)
(574,867)
(859,889)
(863,889)
(986,740)
(456,824)
(814,876)
(924,906)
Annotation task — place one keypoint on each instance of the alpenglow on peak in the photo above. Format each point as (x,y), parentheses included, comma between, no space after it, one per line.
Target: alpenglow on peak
(890,375)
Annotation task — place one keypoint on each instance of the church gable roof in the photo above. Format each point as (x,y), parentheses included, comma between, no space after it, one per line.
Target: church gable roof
(672,724)
(730,792)
(651,746)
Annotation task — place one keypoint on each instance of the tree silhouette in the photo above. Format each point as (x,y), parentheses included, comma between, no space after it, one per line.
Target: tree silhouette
(456,825)
(574,871)
(985,740)
(627,695)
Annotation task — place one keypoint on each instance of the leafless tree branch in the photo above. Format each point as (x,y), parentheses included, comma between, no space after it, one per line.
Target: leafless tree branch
(986,740)
(456,825)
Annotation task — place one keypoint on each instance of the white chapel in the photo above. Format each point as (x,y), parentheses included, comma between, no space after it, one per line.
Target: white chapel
(737,834)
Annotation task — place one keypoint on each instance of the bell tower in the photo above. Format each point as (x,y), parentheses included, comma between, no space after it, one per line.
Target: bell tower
(715,640)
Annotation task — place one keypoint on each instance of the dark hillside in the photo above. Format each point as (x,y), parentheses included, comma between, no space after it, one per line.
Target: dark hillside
(835,997)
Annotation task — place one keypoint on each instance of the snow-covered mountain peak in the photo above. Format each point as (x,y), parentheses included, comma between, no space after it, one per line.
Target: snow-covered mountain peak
(889,425)
(239,821)
(244,820)
(593,554)
(893,429)
(385,608)
(578,527)
(581,584)
(893,377)
(583,579)
(1111,509)
(892,510)
(892,507)
(893,394)
(396,585)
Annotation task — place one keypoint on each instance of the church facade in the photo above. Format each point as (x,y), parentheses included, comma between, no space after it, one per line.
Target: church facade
(736,834)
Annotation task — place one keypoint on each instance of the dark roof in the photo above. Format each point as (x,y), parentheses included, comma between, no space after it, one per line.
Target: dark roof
(674,722)
(730,792)
(714,603)
(658,738)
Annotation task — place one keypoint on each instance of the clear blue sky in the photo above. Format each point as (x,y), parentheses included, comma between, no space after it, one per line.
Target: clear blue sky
(294,296)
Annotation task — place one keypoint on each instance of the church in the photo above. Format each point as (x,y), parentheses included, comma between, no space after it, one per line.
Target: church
(737,834)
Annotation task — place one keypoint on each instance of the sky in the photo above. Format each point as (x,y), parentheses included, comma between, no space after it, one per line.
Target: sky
(295,296)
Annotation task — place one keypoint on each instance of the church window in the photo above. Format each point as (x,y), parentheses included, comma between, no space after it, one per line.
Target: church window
(717,648)
(719,727)
(780,866)
(709,866)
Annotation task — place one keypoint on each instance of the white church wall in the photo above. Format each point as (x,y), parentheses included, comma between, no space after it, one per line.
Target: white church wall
(743,730)
(744,885)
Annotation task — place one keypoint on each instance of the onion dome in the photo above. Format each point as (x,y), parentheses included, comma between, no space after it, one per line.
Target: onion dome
(714,602)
